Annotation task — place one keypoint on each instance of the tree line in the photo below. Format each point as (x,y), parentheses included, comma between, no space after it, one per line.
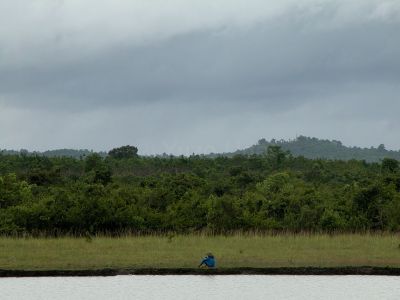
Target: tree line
(124,192)
(308,147)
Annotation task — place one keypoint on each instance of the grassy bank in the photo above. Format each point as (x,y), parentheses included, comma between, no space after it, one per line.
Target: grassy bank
(185,251)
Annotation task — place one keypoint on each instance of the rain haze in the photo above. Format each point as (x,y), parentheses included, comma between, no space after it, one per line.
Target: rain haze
(201,76)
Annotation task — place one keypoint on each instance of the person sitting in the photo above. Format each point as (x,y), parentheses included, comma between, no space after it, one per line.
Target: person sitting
(208,261)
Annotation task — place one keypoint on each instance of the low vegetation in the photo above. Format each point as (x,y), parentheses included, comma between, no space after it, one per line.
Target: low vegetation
(185,251)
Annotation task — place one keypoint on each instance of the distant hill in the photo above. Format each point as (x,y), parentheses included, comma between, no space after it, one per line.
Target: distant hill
(317,148)
(53,153)
(302,146)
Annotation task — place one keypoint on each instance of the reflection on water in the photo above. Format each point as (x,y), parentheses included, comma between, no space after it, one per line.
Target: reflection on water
(202,287)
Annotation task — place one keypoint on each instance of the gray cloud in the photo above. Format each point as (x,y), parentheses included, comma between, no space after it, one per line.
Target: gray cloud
(150,75)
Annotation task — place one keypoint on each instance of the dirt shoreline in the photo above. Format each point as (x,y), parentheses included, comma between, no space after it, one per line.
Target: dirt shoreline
(382,271)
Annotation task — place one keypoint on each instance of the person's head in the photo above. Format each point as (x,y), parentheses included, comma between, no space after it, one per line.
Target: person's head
(209,254)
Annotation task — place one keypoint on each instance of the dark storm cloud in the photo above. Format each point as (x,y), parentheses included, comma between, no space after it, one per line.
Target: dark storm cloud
(275,65)
(302,58)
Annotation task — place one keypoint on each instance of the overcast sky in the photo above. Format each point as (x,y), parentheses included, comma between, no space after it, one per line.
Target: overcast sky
(183,76)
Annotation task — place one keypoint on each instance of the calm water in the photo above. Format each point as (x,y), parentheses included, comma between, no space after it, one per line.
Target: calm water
(202,287)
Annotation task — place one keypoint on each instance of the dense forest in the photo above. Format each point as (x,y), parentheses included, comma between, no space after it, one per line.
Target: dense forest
(125,192)
(316,148)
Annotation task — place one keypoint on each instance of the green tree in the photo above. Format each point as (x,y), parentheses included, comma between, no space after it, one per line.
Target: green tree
(124,152)
(276,157)
(390,165)
(13,191)
(96,169)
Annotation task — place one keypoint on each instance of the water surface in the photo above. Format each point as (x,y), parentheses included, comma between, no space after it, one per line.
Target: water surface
(202,287)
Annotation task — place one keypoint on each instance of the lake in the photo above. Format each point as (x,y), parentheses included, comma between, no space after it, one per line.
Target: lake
(202,287)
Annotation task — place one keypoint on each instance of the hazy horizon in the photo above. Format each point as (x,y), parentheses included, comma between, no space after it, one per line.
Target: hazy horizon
(197,76)
(196,153)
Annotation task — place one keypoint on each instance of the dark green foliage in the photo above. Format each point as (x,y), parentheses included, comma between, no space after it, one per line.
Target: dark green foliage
(273,191)
(13,191)
(390,165)
(97,171)
(124,152)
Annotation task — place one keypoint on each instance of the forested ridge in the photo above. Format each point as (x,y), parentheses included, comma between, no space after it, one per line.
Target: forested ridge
(125,192)
(319,148)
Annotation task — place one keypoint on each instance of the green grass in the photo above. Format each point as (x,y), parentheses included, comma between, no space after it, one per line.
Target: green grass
(186,251)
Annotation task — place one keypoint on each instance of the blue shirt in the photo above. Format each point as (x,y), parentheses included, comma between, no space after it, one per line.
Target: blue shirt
(209,261)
